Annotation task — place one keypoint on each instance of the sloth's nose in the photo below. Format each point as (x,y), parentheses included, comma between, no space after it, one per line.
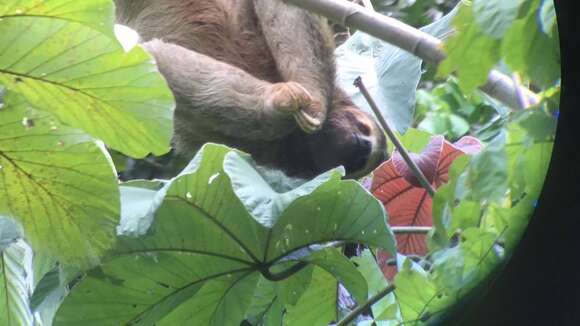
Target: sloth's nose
(361,154)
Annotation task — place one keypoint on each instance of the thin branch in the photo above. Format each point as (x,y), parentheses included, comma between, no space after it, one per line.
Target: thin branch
(411,229)
(362,308)
(408,38)
(416,171)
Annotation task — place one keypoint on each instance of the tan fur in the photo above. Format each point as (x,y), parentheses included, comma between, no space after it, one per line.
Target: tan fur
(258,75)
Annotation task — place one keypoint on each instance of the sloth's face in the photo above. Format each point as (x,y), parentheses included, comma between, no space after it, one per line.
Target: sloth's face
(350,137)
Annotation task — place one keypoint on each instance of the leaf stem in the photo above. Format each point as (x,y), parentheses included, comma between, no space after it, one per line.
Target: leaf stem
(274,277)
(416,171)
(360,309)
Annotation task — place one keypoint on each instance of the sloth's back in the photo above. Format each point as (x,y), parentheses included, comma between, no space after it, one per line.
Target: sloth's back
(226,30)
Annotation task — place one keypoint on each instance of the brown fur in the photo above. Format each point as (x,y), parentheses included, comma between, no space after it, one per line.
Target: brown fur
(247,73)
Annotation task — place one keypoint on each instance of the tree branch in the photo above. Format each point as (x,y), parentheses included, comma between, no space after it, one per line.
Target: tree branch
(408,38)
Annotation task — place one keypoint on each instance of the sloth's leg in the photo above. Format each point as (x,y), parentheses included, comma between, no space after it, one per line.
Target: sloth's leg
(225,99)
(302,46)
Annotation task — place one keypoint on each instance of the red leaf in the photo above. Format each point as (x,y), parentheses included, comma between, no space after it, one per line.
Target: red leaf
(406,202)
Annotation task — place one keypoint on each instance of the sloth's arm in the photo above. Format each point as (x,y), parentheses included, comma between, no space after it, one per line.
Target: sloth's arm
(302,46)
(225,98)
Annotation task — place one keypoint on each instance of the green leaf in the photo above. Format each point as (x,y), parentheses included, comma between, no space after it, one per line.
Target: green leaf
(317,306)
(97,14)
(47,297)
(496,16)
(470,52)
(465,215)
(386,309)
(220,302)
(487,176)
(267,308)
(391,74)
(57,183)
(291,289)
(548,18)
(138,204)
(15,284)
(267,193)
(334,262)
(86,79)
(458,269)
(529,50)
(205,251)
(414,292)
(538,124)
(415,140)
(10,231)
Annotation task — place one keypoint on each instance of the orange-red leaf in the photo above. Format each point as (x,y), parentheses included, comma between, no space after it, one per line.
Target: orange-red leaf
(406,202)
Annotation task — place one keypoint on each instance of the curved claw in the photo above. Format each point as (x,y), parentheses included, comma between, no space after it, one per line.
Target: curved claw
(306,122)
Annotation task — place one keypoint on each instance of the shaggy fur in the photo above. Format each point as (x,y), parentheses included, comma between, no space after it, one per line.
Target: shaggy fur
(258,75)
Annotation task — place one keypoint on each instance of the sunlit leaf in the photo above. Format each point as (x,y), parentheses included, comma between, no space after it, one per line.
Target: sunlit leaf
(15,284)
(470,52)
(57,183)
(59,64)
(528,49)
(494,17)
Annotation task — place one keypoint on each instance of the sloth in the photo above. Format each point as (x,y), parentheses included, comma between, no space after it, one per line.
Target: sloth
(259,76)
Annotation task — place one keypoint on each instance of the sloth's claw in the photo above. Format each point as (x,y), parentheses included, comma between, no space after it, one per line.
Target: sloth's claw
(306,122)
(293,98)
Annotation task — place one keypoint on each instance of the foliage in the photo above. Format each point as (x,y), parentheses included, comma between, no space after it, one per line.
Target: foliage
(226,241)
(395,185)
(507,31)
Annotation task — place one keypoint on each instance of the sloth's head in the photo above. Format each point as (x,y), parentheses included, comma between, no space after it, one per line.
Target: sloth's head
(349,137)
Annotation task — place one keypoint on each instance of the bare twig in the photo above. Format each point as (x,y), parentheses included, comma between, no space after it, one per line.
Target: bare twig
(416,171)
(408,38)
(410,229)
(362,308)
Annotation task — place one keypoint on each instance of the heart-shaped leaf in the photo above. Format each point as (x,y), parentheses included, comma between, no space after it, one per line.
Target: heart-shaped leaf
(199,263)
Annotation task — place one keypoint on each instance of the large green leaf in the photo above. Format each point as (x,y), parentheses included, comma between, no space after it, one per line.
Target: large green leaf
(390,74)
(487,173)
(471,53)
(416,293)
(15,284)
(200,260)
(317,306)
(52,55)
(386,311)
(494,17)
(528,49)
(97,14)
(57,183)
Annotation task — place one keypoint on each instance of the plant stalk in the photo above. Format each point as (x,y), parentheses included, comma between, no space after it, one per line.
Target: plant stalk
(416,171)
(362,308)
